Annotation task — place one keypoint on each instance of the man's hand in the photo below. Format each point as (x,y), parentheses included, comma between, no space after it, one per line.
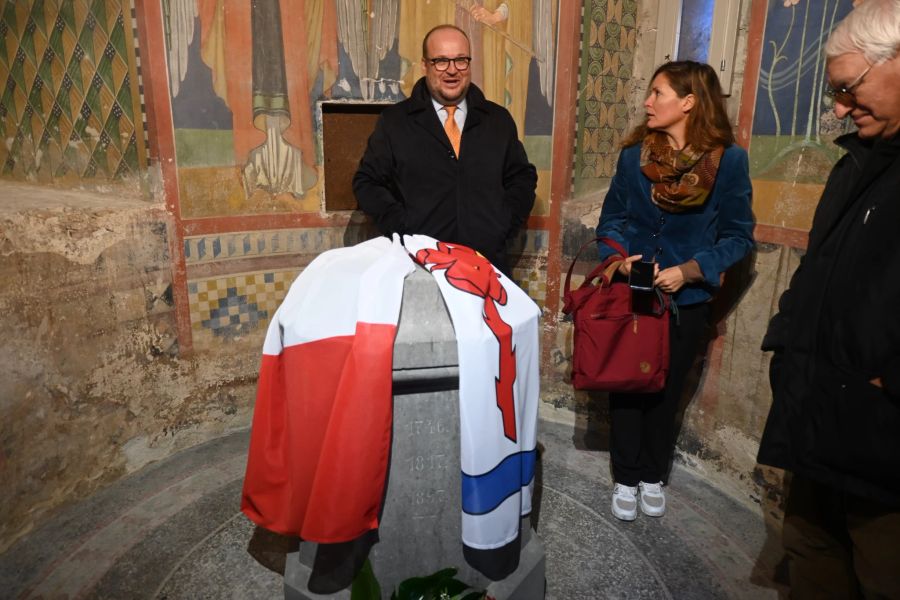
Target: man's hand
(492,18)
(877,382)
(670,280)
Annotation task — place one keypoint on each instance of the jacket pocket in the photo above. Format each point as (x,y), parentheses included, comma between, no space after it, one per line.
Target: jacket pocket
(855,428)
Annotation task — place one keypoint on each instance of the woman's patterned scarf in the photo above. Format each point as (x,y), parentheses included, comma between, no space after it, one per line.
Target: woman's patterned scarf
(682,179)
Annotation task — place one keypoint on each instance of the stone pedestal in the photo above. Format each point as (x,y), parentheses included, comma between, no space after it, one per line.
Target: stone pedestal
(420,526)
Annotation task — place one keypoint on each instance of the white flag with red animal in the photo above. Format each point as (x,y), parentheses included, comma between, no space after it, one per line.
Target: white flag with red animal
(496,326)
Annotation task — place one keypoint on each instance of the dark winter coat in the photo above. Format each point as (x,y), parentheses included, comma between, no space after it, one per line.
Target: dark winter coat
(837,329)
(410,181)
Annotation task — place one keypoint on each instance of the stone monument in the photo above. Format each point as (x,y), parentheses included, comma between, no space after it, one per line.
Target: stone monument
(419,531)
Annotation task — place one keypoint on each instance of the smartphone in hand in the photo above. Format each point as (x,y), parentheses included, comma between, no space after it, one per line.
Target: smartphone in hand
(642,275)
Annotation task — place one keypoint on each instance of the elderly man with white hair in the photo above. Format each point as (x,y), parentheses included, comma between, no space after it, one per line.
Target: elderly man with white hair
(835,371)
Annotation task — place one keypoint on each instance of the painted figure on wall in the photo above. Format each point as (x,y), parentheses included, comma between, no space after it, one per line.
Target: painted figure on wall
(367,36)
(791,111)
(506,60)
(265,57)
(245,77)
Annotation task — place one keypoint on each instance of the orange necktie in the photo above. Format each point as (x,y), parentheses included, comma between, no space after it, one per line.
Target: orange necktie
(452,129)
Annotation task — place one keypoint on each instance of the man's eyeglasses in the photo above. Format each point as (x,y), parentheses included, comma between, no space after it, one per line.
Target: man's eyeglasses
(845,94)
(442,64)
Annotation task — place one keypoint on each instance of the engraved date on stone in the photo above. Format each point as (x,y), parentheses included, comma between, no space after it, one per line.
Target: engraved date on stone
(426,502)
(427,427)
(430,462)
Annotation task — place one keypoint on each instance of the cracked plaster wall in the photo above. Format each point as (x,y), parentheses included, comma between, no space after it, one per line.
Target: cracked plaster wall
(93,385)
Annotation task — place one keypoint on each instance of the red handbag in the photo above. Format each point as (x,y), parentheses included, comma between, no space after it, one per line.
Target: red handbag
(616,349)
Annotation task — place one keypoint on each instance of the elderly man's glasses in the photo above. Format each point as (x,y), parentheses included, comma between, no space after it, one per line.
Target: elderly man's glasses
(442,64)
(845,94)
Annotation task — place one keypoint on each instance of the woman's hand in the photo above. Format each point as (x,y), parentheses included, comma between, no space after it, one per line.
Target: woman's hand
(625,267)
(669,280)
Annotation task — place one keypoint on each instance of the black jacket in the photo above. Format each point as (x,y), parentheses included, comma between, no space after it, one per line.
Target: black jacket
(409,180)
(838,328)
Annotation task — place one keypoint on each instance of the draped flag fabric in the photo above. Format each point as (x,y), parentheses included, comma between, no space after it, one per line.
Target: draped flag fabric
(496,326)
(321,434)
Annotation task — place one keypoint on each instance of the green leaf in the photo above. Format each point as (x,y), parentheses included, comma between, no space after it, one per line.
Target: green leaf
(413,588)
(365,584)
(422,588)
(452,587)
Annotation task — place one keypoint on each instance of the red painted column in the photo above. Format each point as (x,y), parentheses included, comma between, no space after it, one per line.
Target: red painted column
(161,133)
(751,71)
(565,112)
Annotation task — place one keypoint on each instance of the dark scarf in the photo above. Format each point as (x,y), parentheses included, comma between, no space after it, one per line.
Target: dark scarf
(682,179)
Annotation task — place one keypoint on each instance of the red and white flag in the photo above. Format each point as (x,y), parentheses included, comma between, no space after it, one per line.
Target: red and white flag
(321,434)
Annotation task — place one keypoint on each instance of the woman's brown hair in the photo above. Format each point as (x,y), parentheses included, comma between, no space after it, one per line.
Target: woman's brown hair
(707,124)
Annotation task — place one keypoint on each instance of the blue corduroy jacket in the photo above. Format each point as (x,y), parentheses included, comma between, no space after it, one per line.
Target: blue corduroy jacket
(716,235)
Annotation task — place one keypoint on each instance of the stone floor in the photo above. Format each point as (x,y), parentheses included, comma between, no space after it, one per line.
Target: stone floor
(173,531)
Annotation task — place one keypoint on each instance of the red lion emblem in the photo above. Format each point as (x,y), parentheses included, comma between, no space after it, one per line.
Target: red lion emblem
(472,273)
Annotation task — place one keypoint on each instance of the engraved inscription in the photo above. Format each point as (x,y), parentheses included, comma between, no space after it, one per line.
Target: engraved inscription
(432,462)
(425,502)
(427,427)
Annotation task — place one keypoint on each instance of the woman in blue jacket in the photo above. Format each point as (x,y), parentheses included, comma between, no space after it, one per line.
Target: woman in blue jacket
(680,197)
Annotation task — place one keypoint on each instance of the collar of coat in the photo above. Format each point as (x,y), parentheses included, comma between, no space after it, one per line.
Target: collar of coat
(420,100)
(859,149)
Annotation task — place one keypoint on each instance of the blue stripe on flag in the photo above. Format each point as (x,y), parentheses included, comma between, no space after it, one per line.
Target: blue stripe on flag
(483,493)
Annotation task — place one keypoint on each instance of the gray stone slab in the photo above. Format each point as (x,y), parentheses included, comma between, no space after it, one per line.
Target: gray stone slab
(589,559)
(529,581)
(420,527)
(425,337)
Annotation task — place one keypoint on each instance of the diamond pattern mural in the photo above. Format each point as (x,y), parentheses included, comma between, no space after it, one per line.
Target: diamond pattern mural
(70,105)
(607,62)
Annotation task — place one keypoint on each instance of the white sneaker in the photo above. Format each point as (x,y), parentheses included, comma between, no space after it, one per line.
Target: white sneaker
(624,502)
(653,499)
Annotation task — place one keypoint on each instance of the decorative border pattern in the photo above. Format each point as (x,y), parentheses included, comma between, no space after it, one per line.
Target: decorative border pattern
(233,306)
(244,244)
(533,282)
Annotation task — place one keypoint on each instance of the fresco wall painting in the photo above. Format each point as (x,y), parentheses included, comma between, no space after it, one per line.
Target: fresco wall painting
(70,106)
(246,81)
(791,149)
(608,45)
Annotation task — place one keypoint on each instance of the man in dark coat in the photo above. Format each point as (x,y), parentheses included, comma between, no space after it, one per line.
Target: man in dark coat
(835,372)
(413,180)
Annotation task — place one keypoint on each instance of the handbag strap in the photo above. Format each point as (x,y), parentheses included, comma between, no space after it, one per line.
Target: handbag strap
(607,267)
